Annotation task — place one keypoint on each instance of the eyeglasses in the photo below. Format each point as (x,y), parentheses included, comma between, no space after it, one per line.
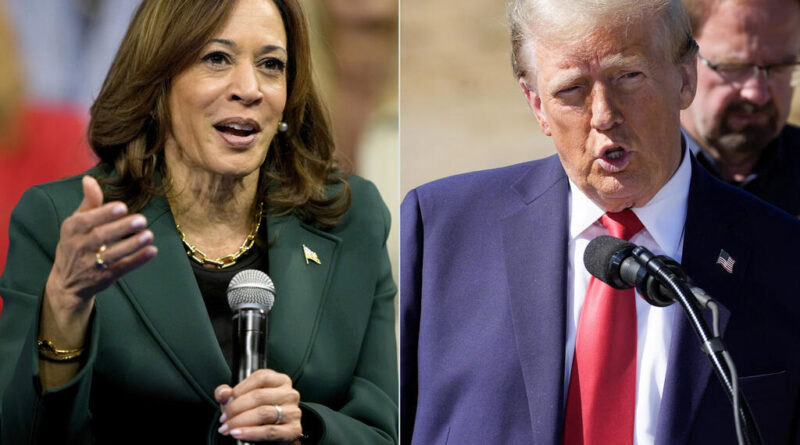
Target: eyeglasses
(738,73)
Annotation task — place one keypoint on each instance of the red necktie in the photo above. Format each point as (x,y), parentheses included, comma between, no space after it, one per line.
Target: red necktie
(602,388)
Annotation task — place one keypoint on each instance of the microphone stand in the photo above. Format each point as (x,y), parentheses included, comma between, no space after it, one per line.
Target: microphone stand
(711,346)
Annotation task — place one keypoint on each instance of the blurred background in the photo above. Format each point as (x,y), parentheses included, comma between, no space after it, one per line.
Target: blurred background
(55,55)
(51,52)
(354,48)
(460,107)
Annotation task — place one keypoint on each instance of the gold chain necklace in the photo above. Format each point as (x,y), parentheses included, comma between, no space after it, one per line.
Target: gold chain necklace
(227,260)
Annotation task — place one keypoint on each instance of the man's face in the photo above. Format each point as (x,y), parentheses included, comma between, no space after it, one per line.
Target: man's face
(743,116)
(611,102)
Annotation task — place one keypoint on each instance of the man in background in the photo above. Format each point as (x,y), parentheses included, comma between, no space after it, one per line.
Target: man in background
(745,70)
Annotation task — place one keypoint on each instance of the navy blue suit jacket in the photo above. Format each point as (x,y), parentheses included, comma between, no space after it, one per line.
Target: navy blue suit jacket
(483,297)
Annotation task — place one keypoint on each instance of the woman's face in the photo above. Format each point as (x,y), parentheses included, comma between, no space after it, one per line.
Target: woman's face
(226,106)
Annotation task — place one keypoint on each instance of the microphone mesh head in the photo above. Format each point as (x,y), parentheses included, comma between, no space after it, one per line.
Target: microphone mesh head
(598,254)
(251,287)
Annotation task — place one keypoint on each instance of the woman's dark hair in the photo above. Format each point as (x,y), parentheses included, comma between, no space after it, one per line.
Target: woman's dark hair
(130,118)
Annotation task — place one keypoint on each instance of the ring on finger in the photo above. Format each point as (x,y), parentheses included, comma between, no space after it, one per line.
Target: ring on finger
(279,419)
(98,258)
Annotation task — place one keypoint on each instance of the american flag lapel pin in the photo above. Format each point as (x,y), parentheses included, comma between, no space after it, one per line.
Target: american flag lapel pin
(310,255)
(726,261)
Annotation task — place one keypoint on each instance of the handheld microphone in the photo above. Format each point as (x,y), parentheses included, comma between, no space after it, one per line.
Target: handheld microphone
(251,295)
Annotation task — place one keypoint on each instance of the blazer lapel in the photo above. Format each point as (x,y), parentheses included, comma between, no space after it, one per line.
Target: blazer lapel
(165,294)
(535,240)
(711,226)
(300,290)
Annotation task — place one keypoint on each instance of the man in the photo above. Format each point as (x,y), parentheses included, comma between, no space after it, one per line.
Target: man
(748,57)
(506,339)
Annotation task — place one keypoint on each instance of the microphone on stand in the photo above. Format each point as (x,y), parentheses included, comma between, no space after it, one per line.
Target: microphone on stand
(614,262)
(661,281)
(251,295)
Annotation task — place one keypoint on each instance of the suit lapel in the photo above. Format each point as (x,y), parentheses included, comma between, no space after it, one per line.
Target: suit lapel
(300,290)
(535,240)
(165,294)
(707,232)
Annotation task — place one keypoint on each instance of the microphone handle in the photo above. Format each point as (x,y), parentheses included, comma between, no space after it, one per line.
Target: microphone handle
(250,342)
(633,273)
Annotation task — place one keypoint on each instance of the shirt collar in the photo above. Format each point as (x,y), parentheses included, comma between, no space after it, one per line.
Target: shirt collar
(663,216)
(771,157)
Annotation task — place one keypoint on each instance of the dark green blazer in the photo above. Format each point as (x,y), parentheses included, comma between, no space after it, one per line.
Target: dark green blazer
(153,359)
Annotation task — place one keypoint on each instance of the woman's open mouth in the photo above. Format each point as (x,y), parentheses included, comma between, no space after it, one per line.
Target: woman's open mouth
(238,132)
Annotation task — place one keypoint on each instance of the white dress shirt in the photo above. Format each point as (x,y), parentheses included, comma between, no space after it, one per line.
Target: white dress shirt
(663,218)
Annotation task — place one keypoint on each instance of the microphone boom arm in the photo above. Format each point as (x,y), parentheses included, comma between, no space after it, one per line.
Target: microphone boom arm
(711,346)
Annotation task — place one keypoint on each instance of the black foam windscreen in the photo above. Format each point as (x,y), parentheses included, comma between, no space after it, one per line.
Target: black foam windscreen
(599,254)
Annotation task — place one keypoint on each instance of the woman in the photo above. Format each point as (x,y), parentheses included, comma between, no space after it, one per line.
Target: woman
(213,143)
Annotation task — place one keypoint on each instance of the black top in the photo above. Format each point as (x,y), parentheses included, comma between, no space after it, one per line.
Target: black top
(776,176)
(213,285)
